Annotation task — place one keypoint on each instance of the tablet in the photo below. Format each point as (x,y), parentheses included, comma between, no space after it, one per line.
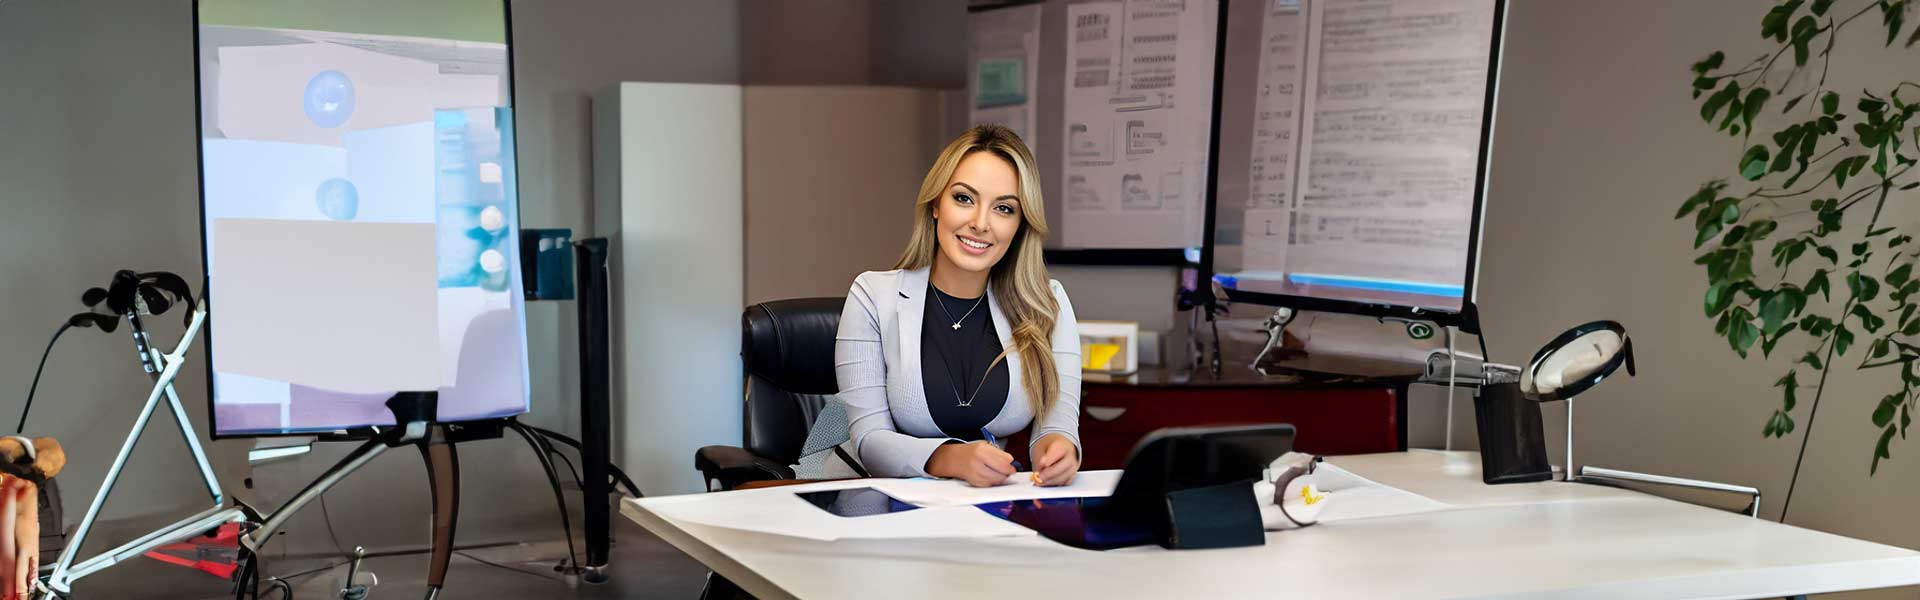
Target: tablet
(856,502)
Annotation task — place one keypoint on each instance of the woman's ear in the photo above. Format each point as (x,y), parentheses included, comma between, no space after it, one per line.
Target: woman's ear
(49,457)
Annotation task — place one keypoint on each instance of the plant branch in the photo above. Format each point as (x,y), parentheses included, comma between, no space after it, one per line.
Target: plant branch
(1816,185)
(1814,410)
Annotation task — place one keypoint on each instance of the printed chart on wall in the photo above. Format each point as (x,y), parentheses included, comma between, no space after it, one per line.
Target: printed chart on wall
(1374,203)
(1138,108)
(1003,58)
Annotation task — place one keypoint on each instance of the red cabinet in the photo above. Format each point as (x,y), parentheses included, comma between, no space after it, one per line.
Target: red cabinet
(1330,420)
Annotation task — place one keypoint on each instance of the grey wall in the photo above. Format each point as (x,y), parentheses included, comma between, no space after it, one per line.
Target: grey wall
(1596,143)
(97,173)
(96,114)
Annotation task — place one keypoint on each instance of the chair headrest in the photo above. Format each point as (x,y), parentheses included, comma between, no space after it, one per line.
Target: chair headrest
(790,343)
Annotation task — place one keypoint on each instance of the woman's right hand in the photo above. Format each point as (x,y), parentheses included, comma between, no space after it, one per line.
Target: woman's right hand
(980,464)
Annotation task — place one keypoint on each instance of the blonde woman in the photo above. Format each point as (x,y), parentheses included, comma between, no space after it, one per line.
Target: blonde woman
(966,336)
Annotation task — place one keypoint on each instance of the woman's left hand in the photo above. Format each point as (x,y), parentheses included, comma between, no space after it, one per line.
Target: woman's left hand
(1055,460)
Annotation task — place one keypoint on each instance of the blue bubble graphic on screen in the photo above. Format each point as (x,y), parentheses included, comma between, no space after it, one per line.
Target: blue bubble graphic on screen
(329,99)
(337,199)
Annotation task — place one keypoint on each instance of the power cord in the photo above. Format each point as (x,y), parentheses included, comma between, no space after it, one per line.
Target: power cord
(328,517)
(509,567)
(36,376)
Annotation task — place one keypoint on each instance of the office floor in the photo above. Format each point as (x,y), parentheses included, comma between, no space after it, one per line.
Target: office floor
(642,566)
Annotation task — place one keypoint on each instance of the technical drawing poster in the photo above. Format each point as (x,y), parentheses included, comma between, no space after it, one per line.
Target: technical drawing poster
(1003,63)
(1137,106)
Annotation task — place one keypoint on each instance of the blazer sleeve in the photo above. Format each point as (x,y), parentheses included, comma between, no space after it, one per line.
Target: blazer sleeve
(1064,417)
(860,369)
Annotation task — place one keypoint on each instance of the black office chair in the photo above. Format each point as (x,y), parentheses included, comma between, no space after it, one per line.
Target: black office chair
(787,347)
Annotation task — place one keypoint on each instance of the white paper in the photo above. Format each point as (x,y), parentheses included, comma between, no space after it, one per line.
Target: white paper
(1347,497)
(1137,106)
(999,38)
(1395,97)
(780,511)
(953,492)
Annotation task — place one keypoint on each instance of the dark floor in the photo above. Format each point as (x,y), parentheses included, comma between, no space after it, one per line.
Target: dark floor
(641,566)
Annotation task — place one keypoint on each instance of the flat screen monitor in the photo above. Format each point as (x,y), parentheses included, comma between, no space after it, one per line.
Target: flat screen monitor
(359,215)
(1352,148)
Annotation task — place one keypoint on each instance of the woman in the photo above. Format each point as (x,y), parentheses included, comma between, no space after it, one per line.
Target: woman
(967,335)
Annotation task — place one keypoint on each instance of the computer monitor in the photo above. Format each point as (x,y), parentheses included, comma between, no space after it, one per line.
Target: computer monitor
(1353,154)
(359,214)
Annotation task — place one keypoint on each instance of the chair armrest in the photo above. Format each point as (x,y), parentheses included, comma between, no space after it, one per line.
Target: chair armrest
(733,465)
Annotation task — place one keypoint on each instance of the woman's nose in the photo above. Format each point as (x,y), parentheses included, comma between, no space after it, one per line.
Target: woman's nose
(978,220)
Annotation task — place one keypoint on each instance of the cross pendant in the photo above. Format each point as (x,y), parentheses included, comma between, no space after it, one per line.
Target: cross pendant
(956,326)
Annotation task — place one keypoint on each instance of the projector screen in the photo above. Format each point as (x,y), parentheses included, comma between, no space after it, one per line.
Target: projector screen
(359,218)
(1353,152)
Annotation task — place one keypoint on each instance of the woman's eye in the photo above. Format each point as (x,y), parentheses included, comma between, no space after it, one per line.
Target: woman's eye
(1004,209)
(963,198)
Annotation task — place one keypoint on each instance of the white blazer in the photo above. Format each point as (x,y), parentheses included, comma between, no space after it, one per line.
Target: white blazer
(876,359)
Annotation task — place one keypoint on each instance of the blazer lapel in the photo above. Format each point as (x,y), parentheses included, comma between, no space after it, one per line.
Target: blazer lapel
(912,309)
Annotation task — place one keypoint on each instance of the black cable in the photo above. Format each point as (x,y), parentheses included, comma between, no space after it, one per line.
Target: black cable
(311,571)
(619,476)
(509,568)
(285,589)
(545,451)
(36,376)
(328,516)
(577,480)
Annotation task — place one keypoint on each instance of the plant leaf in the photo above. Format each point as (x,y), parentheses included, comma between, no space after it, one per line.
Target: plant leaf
(1812,360)
(1719,99)
(1883,414)
(1718,298)
(1708,64)
(1880,451)
(1842,338)
(1790,382)
(1774,311)
(1753,164)
(1829,103)
(1756,98)
(1700,198)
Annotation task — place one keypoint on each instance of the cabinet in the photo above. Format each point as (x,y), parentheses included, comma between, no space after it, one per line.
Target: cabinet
(1347,417)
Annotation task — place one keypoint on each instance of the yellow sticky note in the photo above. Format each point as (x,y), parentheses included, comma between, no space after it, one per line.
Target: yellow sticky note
(1099,357)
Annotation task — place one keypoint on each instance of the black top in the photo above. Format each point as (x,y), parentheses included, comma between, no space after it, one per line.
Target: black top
(953,363)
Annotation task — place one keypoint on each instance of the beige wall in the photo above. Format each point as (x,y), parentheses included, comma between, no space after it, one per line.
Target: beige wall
(831,175)
(1597,142)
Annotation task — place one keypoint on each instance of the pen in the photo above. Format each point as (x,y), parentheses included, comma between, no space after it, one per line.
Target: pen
(996,442)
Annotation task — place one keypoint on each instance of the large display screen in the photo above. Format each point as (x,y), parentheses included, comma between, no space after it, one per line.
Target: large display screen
(1352,151)
(359,212)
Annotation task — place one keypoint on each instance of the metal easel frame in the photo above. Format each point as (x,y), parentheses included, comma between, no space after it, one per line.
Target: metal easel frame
(164,367)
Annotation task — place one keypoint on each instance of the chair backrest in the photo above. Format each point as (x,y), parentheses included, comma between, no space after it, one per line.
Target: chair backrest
(787,346)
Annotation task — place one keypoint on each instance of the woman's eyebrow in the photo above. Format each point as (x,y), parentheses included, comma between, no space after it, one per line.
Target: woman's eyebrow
(977,192)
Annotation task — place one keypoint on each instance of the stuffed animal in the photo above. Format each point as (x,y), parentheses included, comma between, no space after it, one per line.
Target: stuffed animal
(25,464)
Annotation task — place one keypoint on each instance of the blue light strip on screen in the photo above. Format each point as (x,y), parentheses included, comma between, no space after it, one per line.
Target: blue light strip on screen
(1382,285)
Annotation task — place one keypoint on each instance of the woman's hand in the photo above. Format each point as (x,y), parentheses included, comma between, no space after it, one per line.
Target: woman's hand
(26,530)
(1055,461)
(980,464)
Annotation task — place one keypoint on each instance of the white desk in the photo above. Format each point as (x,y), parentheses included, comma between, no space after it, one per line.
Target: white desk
(1538,540)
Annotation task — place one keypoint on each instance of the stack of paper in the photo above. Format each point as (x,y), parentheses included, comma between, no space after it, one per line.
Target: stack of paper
(953,492)
(780,511)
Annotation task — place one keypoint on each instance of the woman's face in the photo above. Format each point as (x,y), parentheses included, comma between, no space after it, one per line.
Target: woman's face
(978,215)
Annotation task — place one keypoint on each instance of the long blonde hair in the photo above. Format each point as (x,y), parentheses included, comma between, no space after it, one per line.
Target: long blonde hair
(1019,281)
